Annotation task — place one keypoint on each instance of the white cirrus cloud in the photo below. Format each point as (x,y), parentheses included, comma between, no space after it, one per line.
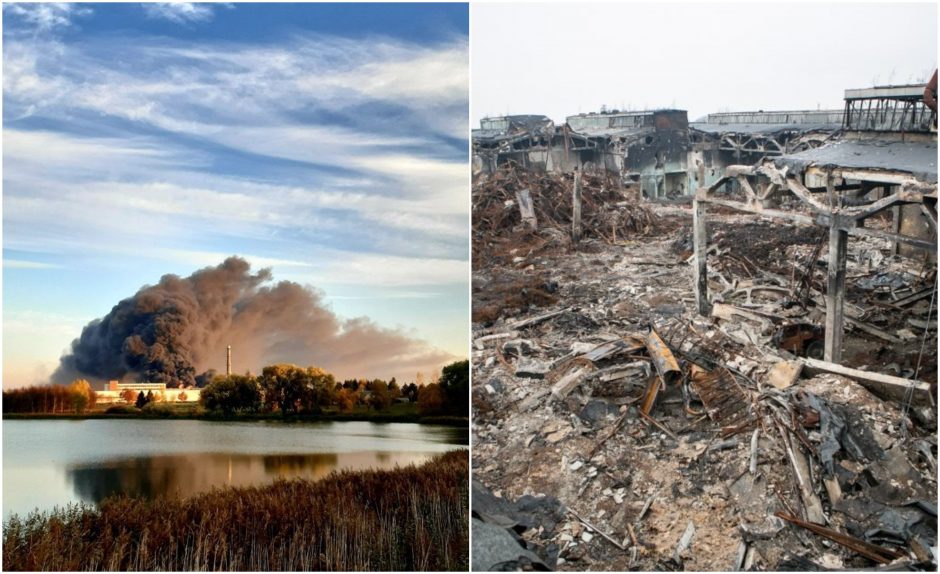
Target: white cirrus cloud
(23,264)
(180,12)
(46,16)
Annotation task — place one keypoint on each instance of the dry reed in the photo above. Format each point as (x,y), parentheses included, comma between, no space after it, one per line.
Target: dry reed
(411,518)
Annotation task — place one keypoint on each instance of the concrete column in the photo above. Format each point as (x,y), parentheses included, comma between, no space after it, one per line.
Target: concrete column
(700,246)
(576,209)
(835,293)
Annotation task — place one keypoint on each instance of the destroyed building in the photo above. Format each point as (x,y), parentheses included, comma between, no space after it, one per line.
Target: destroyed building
(524,139)
(746,383)
(658,151)
(649,148)
(747,137)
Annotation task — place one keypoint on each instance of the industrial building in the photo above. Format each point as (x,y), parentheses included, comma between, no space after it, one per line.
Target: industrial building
(114,391)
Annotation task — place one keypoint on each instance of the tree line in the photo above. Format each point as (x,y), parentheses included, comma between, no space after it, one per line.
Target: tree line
(50,399)
(287,389)
(290,389)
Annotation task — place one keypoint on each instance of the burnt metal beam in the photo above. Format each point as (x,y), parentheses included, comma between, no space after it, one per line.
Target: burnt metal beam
(797,189)
(894,237)
(898,198)
(841,222)
(756,209)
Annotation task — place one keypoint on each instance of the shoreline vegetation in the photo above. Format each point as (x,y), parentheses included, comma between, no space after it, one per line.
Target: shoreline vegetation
(413,518)
(279,392)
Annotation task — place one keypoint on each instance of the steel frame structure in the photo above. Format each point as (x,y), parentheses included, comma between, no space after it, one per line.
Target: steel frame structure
(771,144)
(842,208)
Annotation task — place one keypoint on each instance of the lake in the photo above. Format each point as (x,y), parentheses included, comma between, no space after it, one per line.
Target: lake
(48,463)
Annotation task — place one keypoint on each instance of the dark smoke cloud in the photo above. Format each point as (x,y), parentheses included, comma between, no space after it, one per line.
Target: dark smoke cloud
(173,331)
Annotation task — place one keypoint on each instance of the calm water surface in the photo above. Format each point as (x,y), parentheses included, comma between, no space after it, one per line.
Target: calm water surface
(48,463)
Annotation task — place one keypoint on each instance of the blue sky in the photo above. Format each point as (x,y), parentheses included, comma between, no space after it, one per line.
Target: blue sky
(325,141)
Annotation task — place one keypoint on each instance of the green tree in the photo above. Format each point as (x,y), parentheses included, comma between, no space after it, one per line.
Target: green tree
(455,385)
(320,389)
(232,394)
(291,388)
(282,387)
(394,390)
(141,400)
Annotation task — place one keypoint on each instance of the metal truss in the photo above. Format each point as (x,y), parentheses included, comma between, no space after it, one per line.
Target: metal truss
(842,208)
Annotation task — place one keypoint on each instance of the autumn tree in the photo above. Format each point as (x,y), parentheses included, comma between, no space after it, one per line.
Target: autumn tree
(381,399)
(49,398)
(430,399)
(128,395)
(82,395)
(346,399)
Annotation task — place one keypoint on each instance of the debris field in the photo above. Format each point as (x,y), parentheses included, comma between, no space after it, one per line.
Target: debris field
(615,428)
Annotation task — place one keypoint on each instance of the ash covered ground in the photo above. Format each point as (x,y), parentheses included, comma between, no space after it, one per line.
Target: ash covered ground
(590,453)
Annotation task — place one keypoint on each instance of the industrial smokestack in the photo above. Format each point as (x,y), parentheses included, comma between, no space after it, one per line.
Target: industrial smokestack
(228,361)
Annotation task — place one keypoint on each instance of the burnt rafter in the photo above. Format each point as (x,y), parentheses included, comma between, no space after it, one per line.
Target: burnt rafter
(762,184)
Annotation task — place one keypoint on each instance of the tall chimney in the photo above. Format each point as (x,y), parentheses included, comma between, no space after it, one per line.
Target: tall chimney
(228,361)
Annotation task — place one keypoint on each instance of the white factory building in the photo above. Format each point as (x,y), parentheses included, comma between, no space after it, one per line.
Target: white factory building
(114,392)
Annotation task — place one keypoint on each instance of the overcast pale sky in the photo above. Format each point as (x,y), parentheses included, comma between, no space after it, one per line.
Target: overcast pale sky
(563,59)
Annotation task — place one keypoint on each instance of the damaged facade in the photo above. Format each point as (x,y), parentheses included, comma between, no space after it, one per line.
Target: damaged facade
(749,384)
(659,151)
(649,149)
(645,148)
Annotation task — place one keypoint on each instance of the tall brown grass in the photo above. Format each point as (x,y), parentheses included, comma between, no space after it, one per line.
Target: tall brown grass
(412,518)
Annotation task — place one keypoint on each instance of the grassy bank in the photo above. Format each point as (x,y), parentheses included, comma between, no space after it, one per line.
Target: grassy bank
(397,413)
(414,518)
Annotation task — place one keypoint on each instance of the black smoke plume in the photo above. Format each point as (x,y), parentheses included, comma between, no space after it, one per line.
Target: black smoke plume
(174,331)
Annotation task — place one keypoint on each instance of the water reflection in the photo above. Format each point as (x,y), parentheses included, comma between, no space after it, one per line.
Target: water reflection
(189,474)
(48,463)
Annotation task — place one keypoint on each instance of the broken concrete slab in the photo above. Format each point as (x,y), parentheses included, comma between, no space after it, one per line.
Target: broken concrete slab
(532,368)
(784,374)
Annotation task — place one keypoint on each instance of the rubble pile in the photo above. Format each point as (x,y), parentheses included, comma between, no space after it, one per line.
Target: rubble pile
(608,209)
(675,441)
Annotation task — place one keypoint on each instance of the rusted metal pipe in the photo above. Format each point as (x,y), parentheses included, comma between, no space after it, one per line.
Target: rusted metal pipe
(663,359)
(872,551)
